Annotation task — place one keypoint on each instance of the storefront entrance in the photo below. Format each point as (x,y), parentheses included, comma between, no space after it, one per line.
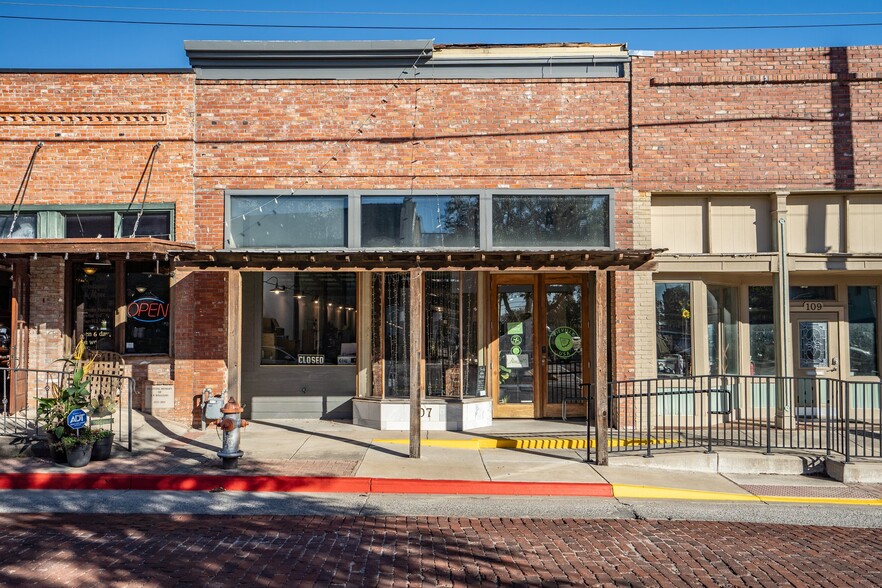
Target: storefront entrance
(816,343)
(539,329)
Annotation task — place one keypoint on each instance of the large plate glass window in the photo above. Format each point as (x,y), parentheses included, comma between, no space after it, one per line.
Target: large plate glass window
(22,227)
(419,221)
(147,300)
(673,321)
(722,329)
(451,323)
(761,330)
(95,304)
(552,220)
(308,318)
(862,326)
(288,221)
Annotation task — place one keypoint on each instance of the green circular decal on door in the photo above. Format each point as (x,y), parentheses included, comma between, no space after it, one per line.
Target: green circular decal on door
(562,342)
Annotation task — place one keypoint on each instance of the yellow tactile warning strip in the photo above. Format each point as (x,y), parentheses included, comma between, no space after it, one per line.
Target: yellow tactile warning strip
(657,492)
(535,443)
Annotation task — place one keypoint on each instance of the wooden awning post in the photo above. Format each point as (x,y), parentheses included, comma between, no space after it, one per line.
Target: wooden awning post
(416,348)
(599,365)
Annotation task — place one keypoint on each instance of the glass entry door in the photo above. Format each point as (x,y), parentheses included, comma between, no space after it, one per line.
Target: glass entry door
(516,370)
(563,345)
(538,340)
(816,346)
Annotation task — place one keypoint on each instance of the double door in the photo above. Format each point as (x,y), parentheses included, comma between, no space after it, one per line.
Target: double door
(541,328)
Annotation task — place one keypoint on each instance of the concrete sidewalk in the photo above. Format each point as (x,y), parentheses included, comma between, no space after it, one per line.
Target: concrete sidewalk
(511,457)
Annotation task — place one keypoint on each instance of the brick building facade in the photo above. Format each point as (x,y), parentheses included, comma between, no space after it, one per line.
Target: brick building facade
(698,153)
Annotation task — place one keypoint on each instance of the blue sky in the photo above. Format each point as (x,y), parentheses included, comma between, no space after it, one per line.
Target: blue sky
(26,43)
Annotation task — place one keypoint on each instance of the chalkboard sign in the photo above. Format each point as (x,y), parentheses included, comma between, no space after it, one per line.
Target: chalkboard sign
(482,380)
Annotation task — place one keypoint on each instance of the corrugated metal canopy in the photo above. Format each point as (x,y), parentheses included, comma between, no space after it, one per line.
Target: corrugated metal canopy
(586,259)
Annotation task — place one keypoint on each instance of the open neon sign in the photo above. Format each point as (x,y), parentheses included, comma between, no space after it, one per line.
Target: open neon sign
(147,310)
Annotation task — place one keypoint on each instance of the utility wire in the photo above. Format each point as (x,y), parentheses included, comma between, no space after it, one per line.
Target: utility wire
(458,14)
(421,28)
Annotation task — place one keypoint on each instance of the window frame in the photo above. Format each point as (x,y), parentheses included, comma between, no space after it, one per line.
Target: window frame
(485,220)
(51,217)
(119,273)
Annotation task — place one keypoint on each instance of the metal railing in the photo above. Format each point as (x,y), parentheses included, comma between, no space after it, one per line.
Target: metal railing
(21,388)
(756,412)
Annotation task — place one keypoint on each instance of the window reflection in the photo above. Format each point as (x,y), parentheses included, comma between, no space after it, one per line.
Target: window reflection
(862,330)
(308,318)
(550,220)
(419,221)
(673,329)
(761,319)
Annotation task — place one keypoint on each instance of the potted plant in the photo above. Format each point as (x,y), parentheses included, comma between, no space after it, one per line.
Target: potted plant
(78,447)
(103,444)
(71,394)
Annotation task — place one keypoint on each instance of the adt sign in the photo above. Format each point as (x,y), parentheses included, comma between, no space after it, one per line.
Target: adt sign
(76,419)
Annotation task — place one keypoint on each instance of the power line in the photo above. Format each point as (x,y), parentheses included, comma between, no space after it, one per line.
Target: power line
(422,28)
(457,14)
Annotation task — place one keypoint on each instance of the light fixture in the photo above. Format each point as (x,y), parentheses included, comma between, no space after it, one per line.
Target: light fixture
(90,270)
(277,289)
(316,301)
(140,289)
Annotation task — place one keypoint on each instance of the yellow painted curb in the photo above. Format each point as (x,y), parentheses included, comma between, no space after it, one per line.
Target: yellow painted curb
(538,443)
(632,491)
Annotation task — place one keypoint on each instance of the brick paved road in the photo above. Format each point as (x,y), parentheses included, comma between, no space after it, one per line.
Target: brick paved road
(155,550)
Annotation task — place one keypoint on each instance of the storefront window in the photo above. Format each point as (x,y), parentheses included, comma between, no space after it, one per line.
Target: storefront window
(761,330)
(673,320)
(288,221)
(419,221)
(722,330)
(147,309)
(394,290)
(862,330)
(95,305)
(451,324)
(558,220)
(23,227)
(145,300)
(308,318)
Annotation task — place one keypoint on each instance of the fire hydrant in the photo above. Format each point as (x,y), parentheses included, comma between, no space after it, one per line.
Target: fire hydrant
(231,423)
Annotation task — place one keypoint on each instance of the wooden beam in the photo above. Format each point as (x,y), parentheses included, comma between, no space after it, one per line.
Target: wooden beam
(416,356)
(599,366)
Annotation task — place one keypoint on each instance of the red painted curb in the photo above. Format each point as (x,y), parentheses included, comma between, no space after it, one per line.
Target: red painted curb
(204,483)
(405,486)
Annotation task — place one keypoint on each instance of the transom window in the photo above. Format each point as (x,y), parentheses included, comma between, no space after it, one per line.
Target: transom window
(486,219)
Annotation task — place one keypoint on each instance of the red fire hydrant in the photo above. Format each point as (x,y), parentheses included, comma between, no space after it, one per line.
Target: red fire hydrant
(231,423)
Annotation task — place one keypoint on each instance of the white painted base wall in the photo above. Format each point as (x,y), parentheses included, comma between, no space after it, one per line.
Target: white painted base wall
(394,415)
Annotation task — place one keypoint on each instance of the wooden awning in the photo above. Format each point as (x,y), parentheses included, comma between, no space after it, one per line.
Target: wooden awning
(138,247)
(567,260)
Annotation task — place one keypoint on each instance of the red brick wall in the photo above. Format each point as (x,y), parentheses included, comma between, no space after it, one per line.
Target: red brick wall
(430,135)
(758,119)
(554,134)
(200,335)
(98,130)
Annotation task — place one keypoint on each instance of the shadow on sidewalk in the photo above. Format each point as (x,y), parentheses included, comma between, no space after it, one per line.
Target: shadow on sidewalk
(329,436)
